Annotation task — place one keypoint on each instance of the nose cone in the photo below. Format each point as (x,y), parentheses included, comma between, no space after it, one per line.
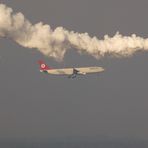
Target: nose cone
(101,69)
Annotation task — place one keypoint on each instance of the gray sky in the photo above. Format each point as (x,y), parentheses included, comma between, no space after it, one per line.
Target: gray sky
(113,104)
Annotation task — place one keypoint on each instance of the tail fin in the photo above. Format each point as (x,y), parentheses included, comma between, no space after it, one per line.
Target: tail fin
(43,66)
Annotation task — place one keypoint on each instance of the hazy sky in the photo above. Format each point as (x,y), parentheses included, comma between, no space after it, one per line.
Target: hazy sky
(112,104)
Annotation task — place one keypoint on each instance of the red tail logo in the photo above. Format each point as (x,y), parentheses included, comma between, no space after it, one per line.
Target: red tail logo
(43,66)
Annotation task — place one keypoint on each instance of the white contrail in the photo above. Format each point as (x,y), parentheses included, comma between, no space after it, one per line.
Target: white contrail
(54,43)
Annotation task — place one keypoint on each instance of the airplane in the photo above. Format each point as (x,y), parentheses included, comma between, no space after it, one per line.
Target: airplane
(70,72)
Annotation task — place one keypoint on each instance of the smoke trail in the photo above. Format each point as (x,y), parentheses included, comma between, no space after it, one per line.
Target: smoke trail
(54,43)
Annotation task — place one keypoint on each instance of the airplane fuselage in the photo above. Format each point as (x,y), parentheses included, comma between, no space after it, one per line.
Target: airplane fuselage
(69,71)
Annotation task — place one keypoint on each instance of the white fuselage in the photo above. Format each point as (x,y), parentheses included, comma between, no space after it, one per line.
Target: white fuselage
(69,71)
